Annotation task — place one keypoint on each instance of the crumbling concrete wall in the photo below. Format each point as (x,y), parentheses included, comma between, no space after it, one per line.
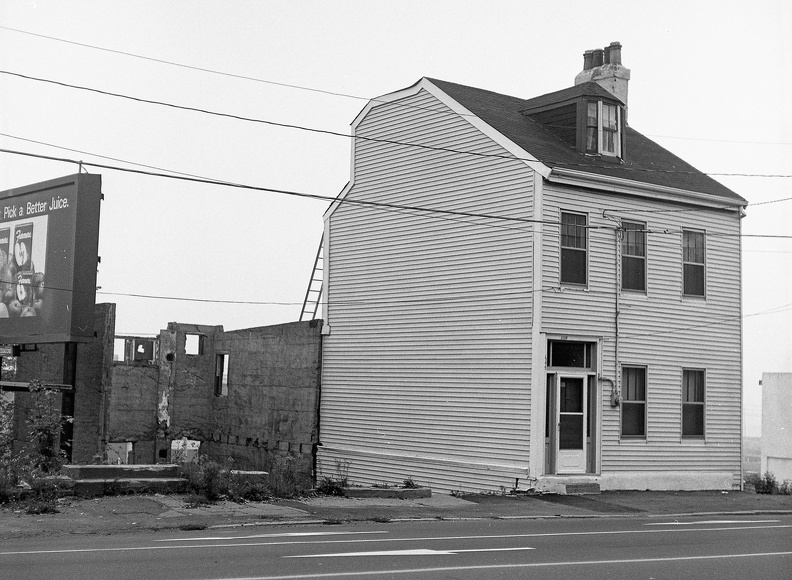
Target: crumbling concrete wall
(132,408)
(93,378)
(271,405)
(185,385)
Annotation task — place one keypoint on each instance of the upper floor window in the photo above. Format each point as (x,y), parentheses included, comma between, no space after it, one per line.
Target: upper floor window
(693,263)
(221,375)
(574,247)
(603,129)
(193,344)
(633,248)
(692,403)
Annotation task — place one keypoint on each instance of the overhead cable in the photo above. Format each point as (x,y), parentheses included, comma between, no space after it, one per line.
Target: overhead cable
(371,139)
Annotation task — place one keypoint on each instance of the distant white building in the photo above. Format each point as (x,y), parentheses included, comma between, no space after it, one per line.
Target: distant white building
(777,425)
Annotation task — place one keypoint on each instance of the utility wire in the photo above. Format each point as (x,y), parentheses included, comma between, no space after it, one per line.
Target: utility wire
(347,201)
(370,139)
(270,190)
(313,89)
(621,210)
(186,66)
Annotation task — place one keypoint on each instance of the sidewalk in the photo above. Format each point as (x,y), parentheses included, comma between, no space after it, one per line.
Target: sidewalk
(118,514)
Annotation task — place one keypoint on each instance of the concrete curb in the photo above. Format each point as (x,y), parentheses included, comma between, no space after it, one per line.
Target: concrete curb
(488,518)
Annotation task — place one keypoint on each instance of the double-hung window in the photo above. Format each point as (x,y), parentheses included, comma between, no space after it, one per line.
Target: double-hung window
(633,248)
(633,404)
(574,261)
(693,263)
(603,129)
(693,403)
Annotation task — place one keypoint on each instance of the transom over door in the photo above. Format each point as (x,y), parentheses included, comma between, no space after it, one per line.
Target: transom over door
(571,394)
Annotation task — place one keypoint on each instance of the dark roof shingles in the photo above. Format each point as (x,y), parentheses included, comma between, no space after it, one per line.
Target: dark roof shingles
(645,161)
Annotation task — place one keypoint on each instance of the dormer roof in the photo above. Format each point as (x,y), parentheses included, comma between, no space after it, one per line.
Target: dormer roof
(643,161)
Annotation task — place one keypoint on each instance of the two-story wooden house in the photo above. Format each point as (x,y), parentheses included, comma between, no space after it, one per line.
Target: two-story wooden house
(520,293)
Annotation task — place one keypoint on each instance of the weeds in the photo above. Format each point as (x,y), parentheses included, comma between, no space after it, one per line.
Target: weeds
(409,483)
(210,481)
(331,486)
(26,473)
(335,485)
(769,484)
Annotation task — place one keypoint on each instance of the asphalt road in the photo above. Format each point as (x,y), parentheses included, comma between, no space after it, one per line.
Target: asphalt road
(720,547)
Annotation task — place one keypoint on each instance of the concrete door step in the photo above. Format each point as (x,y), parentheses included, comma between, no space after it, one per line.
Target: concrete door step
(121,471)
(94,487)
(582,488)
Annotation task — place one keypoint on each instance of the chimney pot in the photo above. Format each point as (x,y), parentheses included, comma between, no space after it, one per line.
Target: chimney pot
(598,55)
(614,53)
(588,60)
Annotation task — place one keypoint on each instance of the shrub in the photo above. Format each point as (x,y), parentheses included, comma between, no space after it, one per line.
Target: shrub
(41,457)
(330,486)
(207,478)
(212,481)
(768,484)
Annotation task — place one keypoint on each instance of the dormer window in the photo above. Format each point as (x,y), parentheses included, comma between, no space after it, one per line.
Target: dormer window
(603,129)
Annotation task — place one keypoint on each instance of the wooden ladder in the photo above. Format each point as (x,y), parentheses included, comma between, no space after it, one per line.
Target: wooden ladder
(314,293)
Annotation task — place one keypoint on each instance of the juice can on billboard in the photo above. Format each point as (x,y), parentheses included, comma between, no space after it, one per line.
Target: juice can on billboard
(5,244)
(23,247)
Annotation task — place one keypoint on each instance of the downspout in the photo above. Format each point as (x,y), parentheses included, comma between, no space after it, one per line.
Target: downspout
(538,386)
(616,386)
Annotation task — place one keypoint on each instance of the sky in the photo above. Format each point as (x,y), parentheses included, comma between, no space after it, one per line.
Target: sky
(710,82)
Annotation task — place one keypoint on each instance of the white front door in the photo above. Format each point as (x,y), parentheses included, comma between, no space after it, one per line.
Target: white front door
(571,393)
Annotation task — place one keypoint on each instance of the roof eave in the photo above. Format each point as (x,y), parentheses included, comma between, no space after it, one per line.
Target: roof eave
(612,184)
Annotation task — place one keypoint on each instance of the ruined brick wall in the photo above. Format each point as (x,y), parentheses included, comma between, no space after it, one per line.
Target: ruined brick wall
(94,360)
(271,406)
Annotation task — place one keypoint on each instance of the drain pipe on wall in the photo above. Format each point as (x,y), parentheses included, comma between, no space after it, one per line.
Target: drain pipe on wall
(616,387)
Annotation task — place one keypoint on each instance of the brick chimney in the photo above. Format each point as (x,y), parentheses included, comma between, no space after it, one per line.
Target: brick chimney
(604,67)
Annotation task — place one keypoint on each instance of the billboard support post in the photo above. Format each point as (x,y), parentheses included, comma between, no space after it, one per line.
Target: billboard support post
(67,398)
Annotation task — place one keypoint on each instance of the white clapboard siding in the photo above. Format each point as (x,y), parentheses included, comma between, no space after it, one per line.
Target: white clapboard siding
(661,328)
(426,369)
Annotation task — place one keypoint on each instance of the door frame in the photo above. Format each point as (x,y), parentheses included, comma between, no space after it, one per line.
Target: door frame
(582,453)
(593,440)
(549,403)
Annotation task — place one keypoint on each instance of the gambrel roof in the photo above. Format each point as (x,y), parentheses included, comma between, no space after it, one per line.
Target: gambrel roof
(644,160)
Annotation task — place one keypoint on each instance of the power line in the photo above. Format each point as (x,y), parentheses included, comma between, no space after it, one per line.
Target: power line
(209,181)
(313,89)
(187,66)
(620,210)
(369,139)
(358,202)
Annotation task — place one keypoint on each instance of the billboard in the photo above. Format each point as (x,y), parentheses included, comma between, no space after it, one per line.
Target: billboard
(49,240)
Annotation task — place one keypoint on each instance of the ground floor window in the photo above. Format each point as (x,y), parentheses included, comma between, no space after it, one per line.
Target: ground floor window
(633,405)
(692,403)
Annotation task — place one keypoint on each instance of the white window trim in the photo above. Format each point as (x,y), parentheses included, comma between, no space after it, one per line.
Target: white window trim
(645,228)
(683,262)
(682,436)
(561,248)
(601,132)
